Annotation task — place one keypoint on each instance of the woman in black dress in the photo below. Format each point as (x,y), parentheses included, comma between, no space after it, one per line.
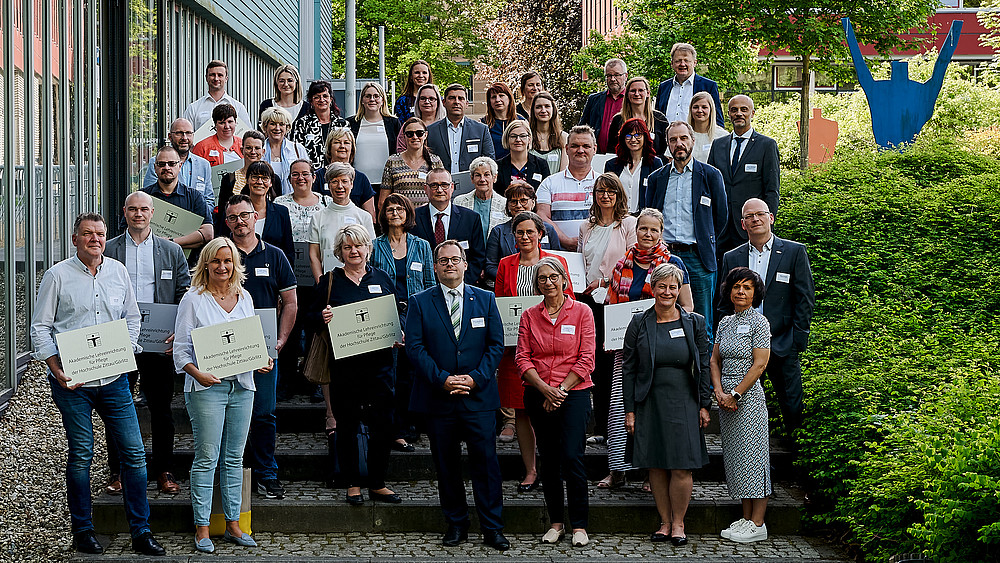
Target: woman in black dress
(665,388)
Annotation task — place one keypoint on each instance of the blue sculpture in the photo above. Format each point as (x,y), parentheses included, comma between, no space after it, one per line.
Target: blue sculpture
(899,106)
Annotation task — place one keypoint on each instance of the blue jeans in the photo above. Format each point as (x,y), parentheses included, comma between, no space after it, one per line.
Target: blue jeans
(113,402)
(263,425)
(220,420)
(702,287)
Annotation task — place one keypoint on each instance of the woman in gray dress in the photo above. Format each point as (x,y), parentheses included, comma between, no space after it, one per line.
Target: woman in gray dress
(666,396)
(742,348)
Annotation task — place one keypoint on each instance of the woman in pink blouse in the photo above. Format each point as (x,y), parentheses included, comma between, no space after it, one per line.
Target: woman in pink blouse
(555,356)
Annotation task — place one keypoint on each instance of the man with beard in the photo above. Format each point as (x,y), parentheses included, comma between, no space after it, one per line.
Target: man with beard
(692,197)
(196,172)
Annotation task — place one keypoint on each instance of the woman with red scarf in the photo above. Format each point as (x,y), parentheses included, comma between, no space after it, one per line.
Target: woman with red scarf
(630,282)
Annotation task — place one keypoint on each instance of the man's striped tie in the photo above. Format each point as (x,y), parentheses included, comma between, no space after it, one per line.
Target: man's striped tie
(456,316)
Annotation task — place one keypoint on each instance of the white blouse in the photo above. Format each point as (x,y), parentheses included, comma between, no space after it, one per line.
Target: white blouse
(198,309)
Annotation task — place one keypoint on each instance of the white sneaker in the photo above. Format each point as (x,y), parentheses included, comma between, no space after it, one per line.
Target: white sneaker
(734,526)
(749,533)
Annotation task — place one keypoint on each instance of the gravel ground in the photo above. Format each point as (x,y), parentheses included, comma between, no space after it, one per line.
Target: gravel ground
(34,518)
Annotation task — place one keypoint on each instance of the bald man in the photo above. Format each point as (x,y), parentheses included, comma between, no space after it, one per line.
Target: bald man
(195,173)
(159,274)
(749,165)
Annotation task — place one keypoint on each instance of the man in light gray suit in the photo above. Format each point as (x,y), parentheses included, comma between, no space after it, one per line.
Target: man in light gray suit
(159,273)
(457,139)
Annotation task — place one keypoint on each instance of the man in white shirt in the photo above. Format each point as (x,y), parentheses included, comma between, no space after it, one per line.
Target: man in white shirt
(199,111)
(456,138)
(85,290)
(673,97)
(564,199)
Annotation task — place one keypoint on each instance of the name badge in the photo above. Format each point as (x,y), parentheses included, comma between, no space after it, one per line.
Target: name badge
(417,266)
(261,272)
(464,244)
(201,179)
(213,152)
(473,148)
(645,182)
(421,175)
(553,157)
(374,288)
(537,177)
(478,322)
(782,277)
(750,168)
(743,329)
(705,200)
(652,135)
(677,333)
(380,129)
(706,147)
(568,329)
(544,240)
(167,275)
(350,221)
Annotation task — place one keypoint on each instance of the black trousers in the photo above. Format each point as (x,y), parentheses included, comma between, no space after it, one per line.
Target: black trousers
(156,378)
(603,369)
(351,408)
(785,373)
(562,439)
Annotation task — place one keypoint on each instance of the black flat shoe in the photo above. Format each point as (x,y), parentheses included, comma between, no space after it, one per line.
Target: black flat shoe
(678,541)
(454,536)
(391,498)
(657,537)
(407,447)
(86,542)
(496,540)
(355,500)
(528,487)
(147,545)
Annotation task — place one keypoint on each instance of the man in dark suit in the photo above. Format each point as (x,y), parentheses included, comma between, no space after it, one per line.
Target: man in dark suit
(440,220)
(159,274)
(789,301)
(454,338)
(456,139)
(673,97)
(602,107)
(692,197)
(749,165)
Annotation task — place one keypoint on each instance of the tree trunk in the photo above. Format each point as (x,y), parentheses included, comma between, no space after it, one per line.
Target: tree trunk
(804,108)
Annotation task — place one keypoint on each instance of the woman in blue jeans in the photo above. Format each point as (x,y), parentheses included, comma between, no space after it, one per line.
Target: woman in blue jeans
(220,409)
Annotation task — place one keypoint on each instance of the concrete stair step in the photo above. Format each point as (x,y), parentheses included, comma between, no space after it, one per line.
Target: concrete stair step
(310,507)
(424,547)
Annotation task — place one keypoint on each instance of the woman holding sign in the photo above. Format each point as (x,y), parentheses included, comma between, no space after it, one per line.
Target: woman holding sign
(515,278)
(665,383)
(220,409)
(630,282)
(364,383)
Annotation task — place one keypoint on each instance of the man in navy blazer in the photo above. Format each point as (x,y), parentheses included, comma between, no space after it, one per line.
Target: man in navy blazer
(789,301)
(692,197)
(440,220)
(456,139)
(602,107)
(750,168)
(675,104)
(454,339)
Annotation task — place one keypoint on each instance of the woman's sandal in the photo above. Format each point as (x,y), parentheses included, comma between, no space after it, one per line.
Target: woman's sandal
(508,433)
(331,430)
(614,480)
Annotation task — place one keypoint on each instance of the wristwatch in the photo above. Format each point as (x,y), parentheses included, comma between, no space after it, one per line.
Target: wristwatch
(563,389)
(736,395)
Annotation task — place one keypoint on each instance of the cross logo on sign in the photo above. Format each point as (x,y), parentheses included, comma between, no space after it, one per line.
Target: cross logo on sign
(361,315)
(145,315)
(228,337)
(170,217)
(515,309)
(299,255)
(94,341)
(636,310)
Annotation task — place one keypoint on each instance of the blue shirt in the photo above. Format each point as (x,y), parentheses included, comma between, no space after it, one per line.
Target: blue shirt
(268,274)
(678,209)
(483,208)
(196,173)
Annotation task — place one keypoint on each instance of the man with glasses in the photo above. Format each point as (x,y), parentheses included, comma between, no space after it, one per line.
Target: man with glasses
(454,339)
(169,189)
(788,304)
(692,197)
(602,107)
(456,138)
(196,172)
(271,283)
(440,220)
(673,97)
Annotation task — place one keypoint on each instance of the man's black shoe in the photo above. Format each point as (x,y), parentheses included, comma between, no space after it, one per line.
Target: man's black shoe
(455,535)
(496,540)
(86,542)
(147,545)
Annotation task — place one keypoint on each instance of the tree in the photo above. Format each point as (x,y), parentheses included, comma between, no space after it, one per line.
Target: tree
(442,33)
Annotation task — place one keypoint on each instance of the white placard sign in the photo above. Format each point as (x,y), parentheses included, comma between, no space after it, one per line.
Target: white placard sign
(93,352)
(601,160)
(616,319)
(511,309)
(232,348)
(269,324)
(156,325)
(577,271)
(364,326)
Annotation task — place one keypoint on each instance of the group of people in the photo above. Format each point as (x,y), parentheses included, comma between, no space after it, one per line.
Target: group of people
(681,214)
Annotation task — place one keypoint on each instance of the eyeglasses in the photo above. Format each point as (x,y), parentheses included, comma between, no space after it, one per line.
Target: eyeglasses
(300,174)
(606,191)
(616,76)
(245,216)
(439,187)
(395,210)
(519,136)
(456,260)
(553,278)
(634,136)
(183,133)
(419,133)
(520,201)
(258,177)
(525,233)
(167,163)
(759,215)
(427,99)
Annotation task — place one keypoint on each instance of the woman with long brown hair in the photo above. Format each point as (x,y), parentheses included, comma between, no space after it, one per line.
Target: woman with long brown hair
(548,138)
(639,103)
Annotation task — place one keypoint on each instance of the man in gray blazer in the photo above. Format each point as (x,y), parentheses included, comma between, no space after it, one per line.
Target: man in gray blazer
(159,274)
(789,300)
(456,139)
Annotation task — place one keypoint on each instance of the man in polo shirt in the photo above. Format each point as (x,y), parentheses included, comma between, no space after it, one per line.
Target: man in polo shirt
(199,111)
(602,107)
(271,283)
(196,172)
(564,198)
(169,189)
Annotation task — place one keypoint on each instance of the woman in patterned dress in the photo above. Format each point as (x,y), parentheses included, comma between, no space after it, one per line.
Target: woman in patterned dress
(742,348)
(406,173)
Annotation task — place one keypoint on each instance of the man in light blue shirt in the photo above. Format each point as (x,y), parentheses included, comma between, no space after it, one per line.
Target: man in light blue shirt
(195,173)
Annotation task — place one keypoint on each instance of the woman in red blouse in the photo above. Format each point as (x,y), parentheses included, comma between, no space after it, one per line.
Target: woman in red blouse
(555,356)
